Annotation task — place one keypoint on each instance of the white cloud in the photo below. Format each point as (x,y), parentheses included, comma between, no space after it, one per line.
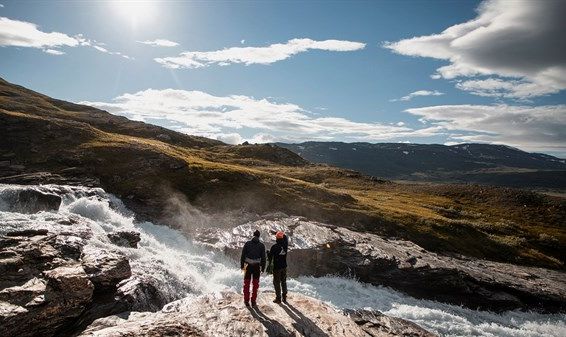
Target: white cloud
(230,138)
(522,42)
(160,43)
(14,33)
(102,49)
(417,94)
(255,55)
(231,118)
(538,128)
(496,87)
(222,117)
(24,34)
(54,52)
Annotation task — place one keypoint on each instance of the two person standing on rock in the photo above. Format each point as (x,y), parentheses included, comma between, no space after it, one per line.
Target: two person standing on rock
(252,262)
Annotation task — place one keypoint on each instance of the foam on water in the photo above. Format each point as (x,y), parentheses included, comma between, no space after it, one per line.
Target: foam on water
(182,268)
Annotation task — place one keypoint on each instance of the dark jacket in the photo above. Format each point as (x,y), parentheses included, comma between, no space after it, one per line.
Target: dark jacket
(278,253)
(252,253)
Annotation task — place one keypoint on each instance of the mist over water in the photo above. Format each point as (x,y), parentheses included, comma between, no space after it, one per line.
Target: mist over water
(182,268)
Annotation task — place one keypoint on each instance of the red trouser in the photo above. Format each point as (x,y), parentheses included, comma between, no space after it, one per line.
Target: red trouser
(251,270)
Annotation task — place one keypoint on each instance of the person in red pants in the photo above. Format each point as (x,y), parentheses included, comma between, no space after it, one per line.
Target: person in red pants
(252,262)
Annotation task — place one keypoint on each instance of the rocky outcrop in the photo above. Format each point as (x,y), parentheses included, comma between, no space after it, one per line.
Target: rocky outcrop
(29,200)
(49,282)
(376,324)
(125,238)
(225,315)
(318,250)
(105,269)
(41,288)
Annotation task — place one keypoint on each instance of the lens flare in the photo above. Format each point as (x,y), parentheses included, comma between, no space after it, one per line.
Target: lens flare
(135,12)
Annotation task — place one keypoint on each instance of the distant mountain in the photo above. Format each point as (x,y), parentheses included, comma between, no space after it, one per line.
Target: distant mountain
(480,163)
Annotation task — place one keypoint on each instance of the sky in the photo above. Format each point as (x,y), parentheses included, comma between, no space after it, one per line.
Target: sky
(442,72)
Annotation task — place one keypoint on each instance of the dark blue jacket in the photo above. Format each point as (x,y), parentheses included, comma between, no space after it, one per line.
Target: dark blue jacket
(252,253)
(278,253)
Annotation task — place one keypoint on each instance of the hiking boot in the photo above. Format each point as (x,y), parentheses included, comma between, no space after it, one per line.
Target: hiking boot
(254,304)
(285,299)
(277,300)
(247,304)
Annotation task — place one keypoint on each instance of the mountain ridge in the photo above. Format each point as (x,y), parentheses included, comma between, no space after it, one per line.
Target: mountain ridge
(471,162)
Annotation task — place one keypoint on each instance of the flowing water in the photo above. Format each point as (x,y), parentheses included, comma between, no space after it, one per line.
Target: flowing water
(183,268)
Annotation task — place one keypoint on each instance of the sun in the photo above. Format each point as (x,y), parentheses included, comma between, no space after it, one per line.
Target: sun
(135,12)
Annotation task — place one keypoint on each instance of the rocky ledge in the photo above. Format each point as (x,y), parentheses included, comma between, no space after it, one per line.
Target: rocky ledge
(52,284)
(224,314)
(317,249)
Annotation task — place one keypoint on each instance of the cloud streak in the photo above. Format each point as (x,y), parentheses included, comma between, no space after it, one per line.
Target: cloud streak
(255,55)
(159,43)
(14,33)
(520,45)
(418,93)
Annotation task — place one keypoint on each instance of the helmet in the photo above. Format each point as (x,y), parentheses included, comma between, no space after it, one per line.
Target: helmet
(279,235)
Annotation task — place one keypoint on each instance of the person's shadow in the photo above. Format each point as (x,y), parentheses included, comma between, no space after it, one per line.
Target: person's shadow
(303,324)
(274,328)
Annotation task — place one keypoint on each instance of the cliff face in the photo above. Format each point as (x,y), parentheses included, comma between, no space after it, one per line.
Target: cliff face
(225,315)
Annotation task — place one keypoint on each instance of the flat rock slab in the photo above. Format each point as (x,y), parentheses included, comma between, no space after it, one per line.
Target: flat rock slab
(225,315)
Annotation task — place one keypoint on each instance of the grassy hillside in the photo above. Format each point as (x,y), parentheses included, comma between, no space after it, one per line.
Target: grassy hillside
(145,165)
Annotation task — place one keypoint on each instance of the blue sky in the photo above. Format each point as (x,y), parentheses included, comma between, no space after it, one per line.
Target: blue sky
(323,70)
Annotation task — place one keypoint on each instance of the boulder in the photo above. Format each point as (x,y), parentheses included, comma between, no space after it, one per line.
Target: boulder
(105,269)
(376,324)
(224,314)
(140,293)
(125,238)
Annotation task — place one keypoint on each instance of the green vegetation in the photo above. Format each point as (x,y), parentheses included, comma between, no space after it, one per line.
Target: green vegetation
(144,164)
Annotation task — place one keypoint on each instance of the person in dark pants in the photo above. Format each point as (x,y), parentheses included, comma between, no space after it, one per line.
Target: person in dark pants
(252,261)
(278,256)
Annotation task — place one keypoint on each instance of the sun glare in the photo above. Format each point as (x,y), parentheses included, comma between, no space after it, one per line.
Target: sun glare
(135,12)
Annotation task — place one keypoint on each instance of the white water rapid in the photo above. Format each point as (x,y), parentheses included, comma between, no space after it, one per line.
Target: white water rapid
(183,268)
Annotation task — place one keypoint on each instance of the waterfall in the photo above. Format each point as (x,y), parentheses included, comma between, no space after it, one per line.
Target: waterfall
(182,268)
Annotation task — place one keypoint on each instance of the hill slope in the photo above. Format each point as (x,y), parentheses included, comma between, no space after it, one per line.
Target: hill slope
(479,163)
(171,178)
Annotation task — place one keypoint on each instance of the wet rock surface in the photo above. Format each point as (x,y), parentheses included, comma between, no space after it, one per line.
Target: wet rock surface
(41,289)
(317,249)
(125,238)
(105,269)
(376,324)
(29,201)
(226,315)
(49,282)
